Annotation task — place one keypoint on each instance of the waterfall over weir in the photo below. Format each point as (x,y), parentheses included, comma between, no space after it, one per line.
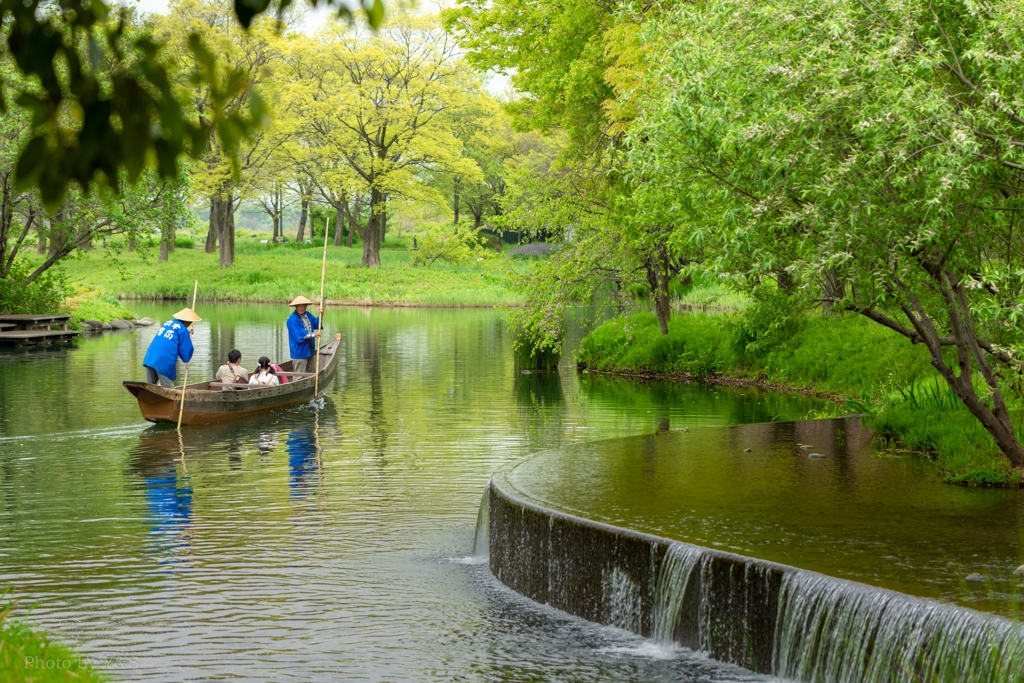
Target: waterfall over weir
(826,629)
(768,617)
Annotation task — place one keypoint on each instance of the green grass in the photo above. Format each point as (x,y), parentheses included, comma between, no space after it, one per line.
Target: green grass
(869,367)
(277,273)
(708,294)
(30,656)
(86,303)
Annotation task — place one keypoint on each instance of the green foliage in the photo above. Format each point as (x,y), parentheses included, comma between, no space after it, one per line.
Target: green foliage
(28,655)
(767,323)
(905,400)
(451,244)
(43,295)
(696,345)
(834,148)
(184,242)
(94,60)
(528,355)
(87,303)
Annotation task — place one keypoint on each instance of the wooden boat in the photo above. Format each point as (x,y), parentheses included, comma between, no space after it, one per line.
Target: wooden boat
(210,402)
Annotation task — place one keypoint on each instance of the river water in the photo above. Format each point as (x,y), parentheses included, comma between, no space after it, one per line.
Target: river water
(314,543)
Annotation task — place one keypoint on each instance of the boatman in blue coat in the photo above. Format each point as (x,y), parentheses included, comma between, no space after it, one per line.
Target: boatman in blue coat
(172,341)
(302,334)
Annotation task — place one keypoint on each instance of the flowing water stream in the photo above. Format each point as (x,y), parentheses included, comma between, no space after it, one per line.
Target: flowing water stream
(315,543)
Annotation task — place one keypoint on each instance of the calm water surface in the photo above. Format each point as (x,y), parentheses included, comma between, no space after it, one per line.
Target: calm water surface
(328,543)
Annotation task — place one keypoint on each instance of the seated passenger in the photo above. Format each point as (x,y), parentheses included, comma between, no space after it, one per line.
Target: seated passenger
(264,375)
(232,372)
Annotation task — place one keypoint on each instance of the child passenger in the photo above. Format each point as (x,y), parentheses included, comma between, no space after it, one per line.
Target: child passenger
(264,375)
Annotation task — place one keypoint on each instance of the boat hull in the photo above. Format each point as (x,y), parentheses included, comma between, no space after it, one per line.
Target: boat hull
(205,404)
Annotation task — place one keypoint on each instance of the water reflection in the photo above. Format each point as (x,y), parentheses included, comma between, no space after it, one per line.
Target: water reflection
(168,498)
(303,462)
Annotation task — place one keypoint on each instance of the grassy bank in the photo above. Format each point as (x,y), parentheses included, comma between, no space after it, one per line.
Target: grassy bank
(863,367)
(28,655)
(274,273)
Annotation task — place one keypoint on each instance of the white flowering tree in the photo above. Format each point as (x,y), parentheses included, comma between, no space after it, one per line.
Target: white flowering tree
(869,151)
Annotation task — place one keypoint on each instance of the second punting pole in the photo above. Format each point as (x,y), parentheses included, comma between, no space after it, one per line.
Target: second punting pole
(320,320)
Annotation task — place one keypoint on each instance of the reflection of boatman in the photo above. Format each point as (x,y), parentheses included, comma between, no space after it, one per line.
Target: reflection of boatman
(302,334)
(172,341)
(302,463)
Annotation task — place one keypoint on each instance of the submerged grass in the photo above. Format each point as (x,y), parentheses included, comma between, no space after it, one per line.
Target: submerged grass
(864,367)
(274,273)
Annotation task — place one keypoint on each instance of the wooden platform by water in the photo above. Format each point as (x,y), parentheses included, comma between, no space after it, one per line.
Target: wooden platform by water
(35,329)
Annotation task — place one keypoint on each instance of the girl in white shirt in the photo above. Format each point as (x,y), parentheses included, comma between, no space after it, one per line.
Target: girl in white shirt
(264,375)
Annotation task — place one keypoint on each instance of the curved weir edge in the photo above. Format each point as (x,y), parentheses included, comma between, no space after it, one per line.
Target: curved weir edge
(765,616)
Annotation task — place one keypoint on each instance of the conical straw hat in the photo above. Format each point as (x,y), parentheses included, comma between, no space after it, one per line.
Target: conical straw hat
(299,300)
(187,315)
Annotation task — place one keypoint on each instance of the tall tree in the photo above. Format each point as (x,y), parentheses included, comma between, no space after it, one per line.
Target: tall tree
(226,174)
(382,104)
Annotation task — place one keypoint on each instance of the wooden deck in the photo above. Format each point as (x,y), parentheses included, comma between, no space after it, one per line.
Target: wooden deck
(35,330)
(36,321)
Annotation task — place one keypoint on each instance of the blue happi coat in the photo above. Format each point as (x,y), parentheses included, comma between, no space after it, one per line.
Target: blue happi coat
(172,342)
(296,331)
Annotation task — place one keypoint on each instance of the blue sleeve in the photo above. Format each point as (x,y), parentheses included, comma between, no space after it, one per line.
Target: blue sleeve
(314,321)
(185,348)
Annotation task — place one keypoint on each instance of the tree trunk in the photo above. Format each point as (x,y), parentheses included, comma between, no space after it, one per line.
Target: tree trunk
(338,226)
(166,242)
(300,236)
(383,218)
(785,279)
(455,199)
(371,236)
(214,229)
(996,419)
(658,276)
(833,288)
(226,220)
(41,246)
(353,219)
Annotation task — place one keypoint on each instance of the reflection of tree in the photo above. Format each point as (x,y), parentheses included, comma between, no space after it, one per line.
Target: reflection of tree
(540,399)
(539,389)
(375,418)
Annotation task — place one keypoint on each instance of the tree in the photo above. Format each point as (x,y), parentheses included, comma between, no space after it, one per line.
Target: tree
(226,173)
(130,115)
(577,68)
(870,150)
(79,219)
(378,111)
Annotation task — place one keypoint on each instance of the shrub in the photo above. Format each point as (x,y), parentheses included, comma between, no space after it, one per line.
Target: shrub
(44,295)
(446,243)
(184,242)
(86,303)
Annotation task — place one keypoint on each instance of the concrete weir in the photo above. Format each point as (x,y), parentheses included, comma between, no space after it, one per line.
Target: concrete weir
(767,617)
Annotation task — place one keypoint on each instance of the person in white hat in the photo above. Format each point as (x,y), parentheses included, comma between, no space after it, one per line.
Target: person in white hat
(173,341)
(302,334)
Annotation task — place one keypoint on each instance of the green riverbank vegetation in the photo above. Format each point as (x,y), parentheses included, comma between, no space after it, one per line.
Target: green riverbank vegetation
(861,156)
(30,655)
(277,273)
(861,367)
